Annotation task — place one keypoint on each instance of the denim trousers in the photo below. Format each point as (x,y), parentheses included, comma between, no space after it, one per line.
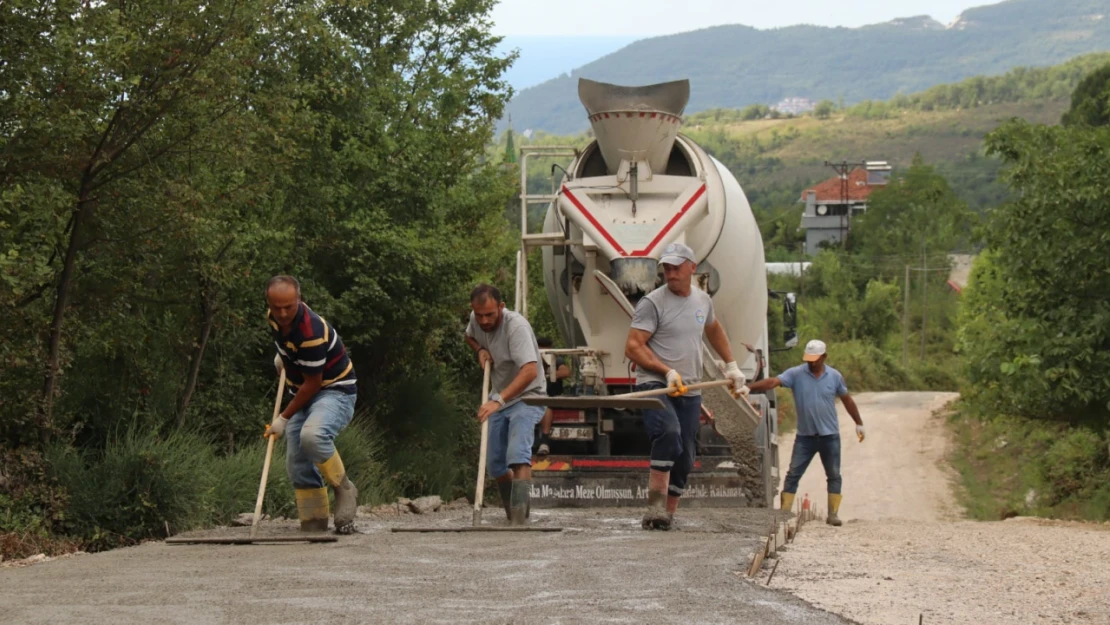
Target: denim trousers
(310,435)
(511,433)
(805,447)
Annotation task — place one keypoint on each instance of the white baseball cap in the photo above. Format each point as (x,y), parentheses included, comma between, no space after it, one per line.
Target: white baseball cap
(814,350)
(676,254)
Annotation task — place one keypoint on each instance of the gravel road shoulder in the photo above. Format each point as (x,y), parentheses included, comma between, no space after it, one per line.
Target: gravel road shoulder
(902,554)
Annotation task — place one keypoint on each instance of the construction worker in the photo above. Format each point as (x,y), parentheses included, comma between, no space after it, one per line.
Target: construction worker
(665,342)
(815,386)
(505,339)
(554,389)
(322,380)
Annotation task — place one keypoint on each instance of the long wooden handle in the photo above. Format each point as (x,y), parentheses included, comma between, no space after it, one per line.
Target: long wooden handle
(269,455)
(480,489)
(663,391)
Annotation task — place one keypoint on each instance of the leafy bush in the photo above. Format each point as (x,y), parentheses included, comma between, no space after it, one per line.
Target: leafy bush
(1016,466)
(143,481)
(1076,455)
(136,485)
(433,447)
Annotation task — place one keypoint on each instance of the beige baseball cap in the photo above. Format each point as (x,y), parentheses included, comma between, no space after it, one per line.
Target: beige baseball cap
(814,350)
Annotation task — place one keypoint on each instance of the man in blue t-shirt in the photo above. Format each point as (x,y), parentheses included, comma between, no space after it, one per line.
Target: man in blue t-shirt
(816,387)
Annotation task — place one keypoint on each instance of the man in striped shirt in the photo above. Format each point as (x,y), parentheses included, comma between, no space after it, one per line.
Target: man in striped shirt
(321,379)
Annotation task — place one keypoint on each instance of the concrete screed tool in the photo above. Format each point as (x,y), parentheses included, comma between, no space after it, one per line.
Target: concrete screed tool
(479,490)
(253,538)
(638,400)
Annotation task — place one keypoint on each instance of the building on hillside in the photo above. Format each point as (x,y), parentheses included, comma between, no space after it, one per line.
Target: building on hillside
(794,106)
(831,205)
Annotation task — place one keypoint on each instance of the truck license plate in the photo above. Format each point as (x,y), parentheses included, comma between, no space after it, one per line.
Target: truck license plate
(572,434)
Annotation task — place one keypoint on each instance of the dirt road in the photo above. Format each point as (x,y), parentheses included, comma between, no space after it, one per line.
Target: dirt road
(602,570)
(899,471)
(901,554)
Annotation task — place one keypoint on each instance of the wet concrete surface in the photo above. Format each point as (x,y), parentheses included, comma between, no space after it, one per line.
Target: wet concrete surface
(602,569)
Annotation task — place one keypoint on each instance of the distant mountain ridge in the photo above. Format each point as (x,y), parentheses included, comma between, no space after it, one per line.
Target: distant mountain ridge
(734,66)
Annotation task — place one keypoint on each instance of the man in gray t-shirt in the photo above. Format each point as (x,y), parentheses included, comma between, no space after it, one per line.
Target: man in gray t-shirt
(665,342)
(505,339)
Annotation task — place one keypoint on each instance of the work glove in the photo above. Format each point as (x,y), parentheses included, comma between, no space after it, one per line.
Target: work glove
(278,363)
(860,433)
(675,381)
(736,376)
(277,428)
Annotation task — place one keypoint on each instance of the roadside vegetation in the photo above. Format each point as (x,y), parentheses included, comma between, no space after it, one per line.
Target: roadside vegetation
(158,162)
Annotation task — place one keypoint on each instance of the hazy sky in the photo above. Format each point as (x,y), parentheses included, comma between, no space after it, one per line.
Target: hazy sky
(661,17)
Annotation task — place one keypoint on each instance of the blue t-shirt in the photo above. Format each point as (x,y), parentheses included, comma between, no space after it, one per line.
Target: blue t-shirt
(815,399)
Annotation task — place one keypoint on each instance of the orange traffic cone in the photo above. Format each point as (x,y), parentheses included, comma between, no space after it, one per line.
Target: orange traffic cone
(805,502)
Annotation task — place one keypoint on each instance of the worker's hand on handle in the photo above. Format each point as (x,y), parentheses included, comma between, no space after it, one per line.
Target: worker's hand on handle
(860,433)
(277,428)
(484,357)
(737,379)
(674,380)
(488,409)
(278,364)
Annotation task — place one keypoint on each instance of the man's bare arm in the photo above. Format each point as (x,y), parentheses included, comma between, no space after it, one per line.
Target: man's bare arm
(715,332)
(765,384)
(482,358)
(850,406)
(523,378)
(637,350)
(308,390)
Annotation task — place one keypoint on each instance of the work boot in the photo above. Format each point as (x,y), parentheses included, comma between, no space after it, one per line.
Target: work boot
(346,493)
(506,490)
(312,509)
(656,517)
(834,507)
(786,502)
(519,502)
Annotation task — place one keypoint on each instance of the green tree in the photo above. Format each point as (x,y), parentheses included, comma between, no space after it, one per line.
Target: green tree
(917,208)
(824,109)
(160,160)
(1035,329)
(1090,102)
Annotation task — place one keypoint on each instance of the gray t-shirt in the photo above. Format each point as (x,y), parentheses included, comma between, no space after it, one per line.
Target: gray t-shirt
(677,325)
(512,345)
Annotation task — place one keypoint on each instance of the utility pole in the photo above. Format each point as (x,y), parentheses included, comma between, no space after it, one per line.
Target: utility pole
(924,293)
(843,169)
(906,319)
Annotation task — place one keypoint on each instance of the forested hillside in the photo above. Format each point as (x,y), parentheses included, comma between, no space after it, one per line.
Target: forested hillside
(735,66)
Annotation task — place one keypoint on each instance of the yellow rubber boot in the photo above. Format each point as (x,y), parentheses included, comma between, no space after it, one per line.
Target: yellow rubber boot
(312,508)
(834,507)
(346,494)
(787,502)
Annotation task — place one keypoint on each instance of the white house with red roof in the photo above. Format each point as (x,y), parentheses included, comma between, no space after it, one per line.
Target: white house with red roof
(831,205)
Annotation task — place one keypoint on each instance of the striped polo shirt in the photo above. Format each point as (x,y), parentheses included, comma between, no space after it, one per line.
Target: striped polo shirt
(313,346)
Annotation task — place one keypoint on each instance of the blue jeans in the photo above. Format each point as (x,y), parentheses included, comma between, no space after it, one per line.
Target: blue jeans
(674,436)
(804,449)
(511,433)
(310,435)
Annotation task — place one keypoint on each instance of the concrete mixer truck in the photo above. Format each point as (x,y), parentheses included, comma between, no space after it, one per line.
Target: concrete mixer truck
(637,187)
